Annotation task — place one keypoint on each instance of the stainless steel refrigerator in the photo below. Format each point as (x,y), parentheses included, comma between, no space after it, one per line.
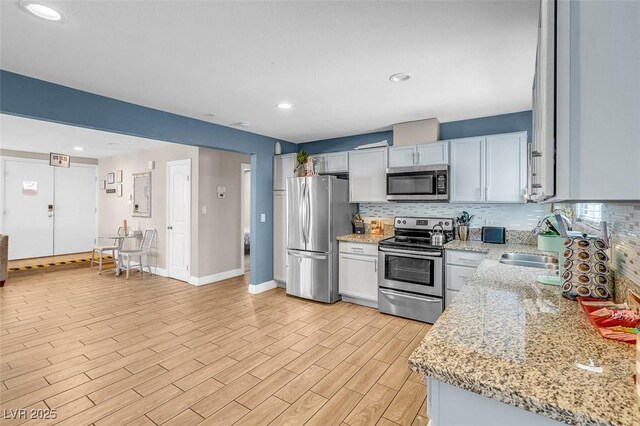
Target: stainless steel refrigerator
(318,211)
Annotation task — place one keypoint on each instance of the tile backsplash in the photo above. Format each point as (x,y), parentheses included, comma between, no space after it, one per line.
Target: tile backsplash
(511,216)
(623,221)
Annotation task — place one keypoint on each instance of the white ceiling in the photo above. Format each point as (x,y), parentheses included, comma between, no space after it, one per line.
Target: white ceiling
(331,60)
(24,134)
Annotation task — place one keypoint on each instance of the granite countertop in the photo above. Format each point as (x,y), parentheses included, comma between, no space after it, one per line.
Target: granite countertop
(494,251)
(512,339)
(363,238)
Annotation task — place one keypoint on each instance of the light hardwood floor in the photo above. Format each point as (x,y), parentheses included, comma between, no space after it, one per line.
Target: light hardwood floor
(105,351)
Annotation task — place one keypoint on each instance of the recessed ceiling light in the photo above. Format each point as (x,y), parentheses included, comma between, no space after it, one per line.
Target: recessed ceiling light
(78,148)
(41,11)
(210,114)
(400,77)
(113,143)
(284,105)
(242,124)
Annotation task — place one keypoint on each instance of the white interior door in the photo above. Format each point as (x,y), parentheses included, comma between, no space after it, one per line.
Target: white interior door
(28,208)
(75,209)
(179,219)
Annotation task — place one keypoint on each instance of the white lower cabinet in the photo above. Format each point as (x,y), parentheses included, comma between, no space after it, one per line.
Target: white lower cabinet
(358,273)
(461,266)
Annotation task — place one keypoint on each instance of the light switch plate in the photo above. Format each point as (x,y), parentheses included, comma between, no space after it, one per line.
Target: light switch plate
(204,209)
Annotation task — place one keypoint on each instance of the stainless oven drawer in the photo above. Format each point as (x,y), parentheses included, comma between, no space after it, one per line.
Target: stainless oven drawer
(399,277)
(413,306)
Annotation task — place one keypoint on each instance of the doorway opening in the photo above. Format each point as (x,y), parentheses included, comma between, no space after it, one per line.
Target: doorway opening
(245,222)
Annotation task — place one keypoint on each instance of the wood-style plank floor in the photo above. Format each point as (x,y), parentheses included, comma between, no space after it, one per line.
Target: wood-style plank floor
(151,350)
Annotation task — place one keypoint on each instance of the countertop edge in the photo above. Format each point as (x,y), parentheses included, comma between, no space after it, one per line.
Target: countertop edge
(522,402)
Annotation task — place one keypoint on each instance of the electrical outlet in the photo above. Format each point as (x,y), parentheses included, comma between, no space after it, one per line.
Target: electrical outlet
(204,209)
(263,217)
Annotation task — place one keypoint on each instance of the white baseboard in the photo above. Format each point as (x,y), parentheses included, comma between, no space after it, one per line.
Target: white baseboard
(262,287)
(209,279)
(158,271)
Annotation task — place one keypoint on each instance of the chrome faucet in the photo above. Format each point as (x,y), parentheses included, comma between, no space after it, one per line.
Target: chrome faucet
(556,214)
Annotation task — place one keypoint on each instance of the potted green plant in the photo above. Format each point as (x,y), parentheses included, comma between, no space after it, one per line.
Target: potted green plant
(463,225)
(302,157)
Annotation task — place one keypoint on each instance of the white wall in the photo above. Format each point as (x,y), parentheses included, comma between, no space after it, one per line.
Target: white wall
(113,210)
(215,236)
(247,199)
(219,233)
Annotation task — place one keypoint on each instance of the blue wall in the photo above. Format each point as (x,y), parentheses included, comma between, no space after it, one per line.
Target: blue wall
(28,97)
(505,123)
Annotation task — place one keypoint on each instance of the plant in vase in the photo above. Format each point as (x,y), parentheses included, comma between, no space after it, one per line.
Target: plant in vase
(463,225)
(301,160)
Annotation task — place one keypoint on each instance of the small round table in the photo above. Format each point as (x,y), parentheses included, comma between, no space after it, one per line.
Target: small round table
(119,244)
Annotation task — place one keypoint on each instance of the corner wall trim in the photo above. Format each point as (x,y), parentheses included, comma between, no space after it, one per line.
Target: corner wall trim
(210,279)
(262,287)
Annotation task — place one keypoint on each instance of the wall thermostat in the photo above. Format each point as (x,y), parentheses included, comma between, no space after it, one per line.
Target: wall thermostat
(222,192)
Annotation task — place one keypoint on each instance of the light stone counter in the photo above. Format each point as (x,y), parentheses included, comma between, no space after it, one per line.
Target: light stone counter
(509,338)
(363,238)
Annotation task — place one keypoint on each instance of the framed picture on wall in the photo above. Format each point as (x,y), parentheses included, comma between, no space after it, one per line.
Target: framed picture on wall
(103,184)
(119,176)
(119,190)
(111,178)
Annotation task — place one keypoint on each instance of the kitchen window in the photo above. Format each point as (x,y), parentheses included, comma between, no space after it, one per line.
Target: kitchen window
(590,213)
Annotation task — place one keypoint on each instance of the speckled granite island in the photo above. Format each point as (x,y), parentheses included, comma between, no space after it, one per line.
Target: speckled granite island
(506,352)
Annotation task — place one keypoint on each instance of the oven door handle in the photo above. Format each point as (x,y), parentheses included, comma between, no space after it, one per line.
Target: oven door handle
(393,294)
(420,255)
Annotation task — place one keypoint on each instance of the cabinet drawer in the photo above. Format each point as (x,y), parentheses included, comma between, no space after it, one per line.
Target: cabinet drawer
(358,248)
(457,276)
(465,258)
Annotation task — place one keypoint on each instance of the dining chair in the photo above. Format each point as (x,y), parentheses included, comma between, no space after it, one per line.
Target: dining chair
(102,249)
(142,253)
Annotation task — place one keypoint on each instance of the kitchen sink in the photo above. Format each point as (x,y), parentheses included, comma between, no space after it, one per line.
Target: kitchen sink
(530,260)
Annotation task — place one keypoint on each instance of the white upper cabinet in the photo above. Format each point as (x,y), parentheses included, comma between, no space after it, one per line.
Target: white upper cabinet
(506,168)
(283,168)
(433,153)
(491,169)
(467,170)
(333,162)
(586,109)
(368,176)
(402,156)
(419,155)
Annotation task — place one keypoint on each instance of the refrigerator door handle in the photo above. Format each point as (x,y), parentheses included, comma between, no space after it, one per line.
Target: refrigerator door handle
(307,255)
(301,212)
(307,227)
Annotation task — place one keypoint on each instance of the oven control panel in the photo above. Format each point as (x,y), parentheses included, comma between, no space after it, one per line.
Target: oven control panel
(423,223)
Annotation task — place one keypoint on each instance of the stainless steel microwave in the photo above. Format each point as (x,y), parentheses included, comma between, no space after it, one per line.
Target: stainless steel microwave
(418,183)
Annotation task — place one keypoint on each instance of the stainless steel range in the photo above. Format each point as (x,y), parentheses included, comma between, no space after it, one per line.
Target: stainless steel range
(411,273)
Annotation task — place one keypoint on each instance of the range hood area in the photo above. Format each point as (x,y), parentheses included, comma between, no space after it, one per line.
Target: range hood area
(416,132)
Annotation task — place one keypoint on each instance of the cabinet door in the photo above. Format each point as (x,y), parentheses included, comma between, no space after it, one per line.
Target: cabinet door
(280,236)
(336,162)
(402,156)
(467,170)
(433,153)
(506,168)
(358,276)
(368,176)
(321,162)
(283,166)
